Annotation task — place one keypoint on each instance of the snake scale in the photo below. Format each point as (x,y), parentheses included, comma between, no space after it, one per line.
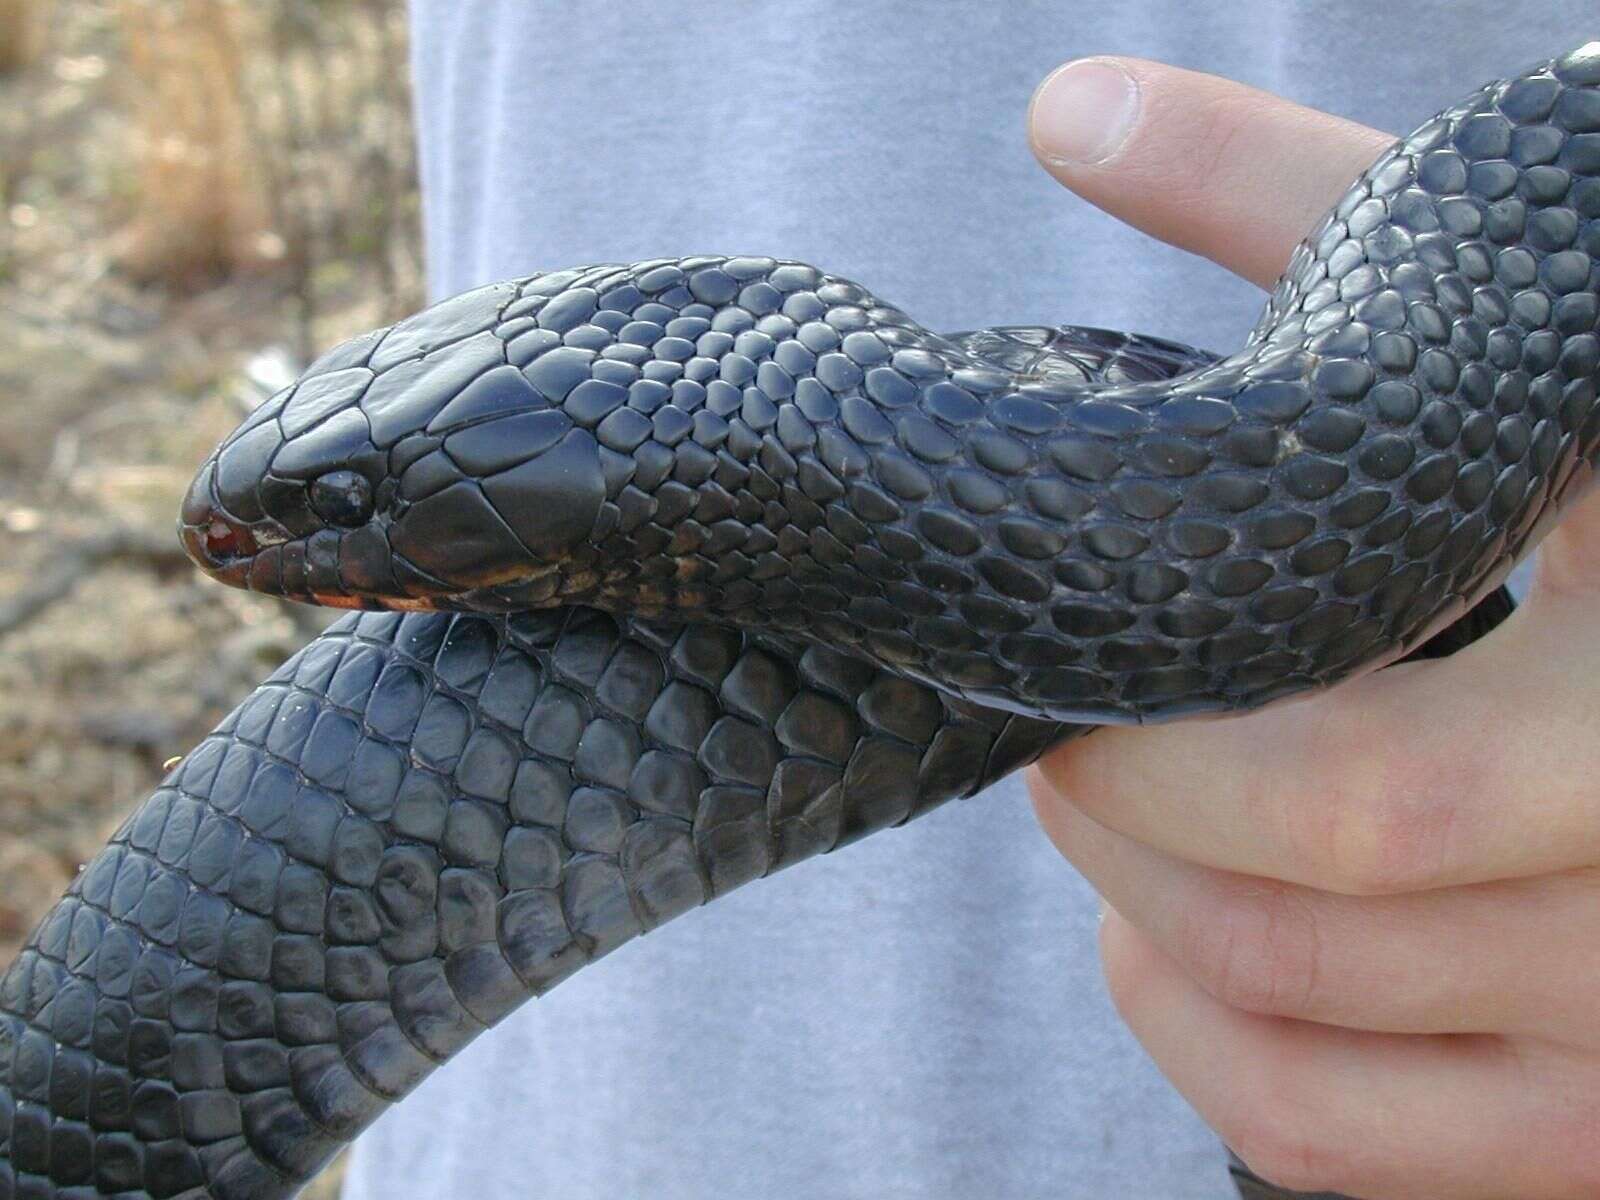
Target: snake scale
(676,573)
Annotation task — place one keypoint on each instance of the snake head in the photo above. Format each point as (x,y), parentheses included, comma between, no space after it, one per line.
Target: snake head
(411,467)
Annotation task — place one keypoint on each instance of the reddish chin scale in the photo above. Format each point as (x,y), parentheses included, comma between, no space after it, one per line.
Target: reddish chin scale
(335,600)
(224,541)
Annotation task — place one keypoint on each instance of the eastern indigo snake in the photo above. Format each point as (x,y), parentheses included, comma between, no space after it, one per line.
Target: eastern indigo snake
(745,564)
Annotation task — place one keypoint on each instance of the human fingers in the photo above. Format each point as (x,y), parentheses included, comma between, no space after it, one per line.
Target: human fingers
(1476,767)
(1224,170)
(1312,1107)
(1514,956)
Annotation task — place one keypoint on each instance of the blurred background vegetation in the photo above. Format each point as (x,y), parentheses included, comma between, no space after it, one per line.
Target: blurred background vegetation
(196,196)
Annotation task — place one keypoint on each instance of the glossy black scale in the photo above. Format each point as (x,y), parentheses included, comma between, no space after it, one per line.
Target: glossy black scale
(1073,524)
(417,823)
(750,565)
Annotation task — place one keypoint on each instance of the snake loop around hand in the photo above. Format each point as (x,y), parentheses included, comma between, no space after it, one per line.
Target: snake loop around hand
(734,563)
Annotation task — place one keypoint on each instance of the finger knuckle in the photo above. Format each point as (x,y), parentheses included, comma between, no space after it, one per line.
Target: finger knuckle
(1093,773)
(1574,1152)
(1132,973)
(1051,809)
(1286,1151)
(1390,844)
(1385,818)
(1223,124)
(1255,948)
(1208,154)
(1581,1174)
(1040,791)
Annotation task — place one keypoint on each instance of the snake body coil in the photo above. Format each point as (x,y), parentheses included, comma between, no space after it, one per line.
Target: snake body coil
(746,564)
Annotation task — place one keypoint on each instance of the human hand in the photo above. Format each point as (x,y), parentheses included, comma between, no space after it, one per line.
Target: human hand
(1359,932)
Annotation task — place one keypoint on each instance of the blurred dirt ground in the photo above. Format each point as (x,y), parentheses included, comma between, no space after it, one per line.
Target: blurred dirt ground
(195,197)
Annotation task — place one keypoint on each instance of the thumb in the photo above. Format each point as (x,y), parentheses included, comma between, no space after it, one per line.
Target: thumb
(1224,170)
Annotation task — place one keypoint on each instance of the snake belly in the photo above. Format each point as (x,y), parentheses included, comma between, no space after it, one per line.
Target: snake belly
(739,563)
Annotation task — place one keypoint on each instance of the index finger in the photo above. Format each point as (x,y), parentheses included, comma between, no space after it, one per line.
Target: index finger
(1477,767)
(1224,170)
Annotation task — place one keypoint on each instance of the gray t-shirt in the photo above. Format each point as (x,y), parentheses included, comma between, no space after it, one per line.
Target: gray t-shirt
(920,1015)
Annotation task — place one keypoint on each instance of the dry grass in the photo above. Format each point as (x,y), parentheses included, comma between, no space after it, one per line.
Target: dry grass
(200,215)
(22,26)
(268,137)
(143,289)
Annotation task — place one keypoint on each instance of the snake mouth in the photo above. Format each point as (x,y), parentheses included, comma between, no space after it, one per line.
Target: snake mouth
(227,550)
(222,548)
(218,542)
(300,569)
(335,568)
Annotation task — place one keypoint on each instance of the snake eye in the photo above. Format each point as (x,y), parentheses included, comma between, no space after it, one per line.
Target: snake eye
(342,498)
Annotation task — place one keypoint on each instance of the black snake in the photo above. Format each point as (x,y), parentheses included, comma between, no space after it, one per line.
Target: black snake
(746,564)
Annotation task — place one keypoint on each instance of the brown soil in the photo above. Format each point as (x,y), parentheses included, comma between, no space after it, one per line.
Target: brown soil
(115,382)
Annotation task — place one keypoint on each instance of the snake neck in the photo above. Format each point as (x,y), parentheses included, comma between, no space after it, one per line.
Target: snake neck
(1415,403)
(757,443)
